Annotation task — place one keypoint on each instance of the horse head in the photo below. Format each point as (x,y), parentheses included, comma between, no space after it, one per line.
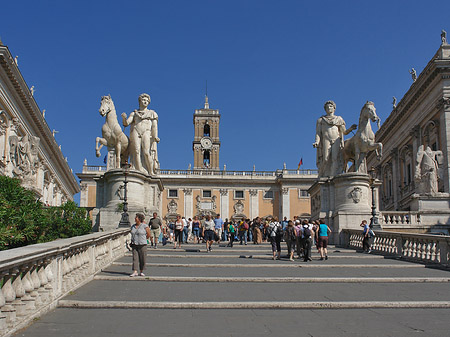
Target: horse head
(106,105)
(369,111)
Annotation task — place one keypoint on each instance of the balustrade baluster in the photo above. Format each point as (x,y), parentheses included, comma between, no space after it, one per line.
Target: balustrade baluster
(49,274)
(2,305)
(28,286)
(36,285)
(17,284)
(43,291)
(10,296)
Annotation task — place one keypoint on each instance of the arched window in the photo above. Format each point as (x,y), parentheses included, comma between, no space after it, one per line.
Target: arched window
(206,159)
(206,130)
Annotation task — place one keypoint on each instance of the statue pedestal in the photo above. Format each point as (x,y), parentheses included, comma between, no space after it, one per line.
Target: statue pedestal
(343,201)
(143,196)
(432,209)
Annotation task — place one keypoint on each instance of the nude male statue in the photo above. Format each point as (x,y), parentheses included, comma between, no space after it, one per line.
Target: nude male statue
(143,136)
(330,131)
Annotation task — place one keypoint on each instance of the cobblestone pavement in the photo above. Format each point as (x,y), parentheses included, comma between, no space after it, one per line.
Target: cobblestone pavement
(241,291)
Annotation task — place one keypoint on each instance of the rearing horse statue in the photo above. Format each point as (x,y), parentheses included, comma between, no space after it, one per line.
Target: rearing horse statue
(357,147)
(112,134)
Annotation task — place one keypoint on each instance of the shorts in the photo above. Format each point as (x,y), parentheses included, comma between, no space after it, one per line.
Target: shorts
(323,242)
(209,235)
(195,232)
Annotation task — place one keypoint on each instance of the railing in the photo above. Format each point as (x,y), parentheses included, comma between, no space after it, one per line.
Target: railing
(415,247)
(236,173)
(35,277)
(399,218)
(91,168)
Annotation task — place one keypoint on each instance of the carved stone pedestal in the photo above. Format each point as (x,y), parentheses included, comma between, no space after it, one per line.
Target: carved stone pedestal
(143,195)
(343,201)
(433,209)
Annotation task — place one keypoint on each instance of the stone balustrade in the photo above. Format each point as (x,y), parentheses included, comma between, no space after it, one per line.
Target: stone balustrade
(35,277)
(409,246)
(399,218)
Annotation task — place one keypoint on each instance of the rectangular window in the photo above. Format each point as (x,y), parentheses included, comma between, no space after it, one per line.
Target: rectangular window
(173,193)
(239,194)
(409,174)
(303,193)
(206,193)
(268,194)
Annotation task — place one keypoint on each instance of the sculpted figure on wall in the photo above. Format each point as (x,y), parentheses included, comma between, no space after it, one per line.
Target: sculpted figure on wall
(143,136)
(330,131)
(427,170)
(23,154)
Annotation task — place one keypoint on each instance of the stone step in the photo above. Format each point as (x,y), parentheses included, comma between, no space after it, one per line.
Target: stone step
(278,279)
(254,305)
(279,265)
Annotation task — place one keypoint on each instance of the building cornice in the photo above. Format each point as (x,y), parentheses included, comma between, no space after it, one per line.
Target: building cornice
(36,121)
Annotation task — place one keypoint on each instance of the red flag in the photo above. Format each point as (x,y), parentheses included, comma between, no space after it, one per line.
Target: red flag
(300,163)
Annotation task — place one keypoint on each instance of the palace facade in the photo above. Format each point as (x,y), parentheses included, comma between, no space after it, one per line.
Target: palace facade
(28,149)
(205,189)
(414,192)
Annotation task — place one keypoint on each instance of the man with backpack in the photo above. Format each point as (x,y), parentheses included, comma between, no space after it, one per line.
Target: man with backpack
(307,235)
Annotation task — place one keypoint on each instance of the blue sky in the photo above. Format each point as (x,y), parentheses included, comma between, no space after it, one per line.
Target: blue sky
(270,66)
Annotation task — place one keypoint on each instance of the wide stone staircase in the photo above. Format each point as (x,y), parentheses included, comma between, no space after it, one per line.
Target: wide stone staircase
(241,291)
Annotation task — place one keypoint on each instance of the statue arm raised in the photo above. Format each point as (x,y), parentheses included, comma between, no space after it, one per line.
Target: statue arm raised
(127,121)
(350,129)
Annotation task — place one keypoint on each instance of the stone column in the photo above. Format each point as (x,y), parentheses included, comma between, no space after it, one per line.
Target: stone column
(224,204)
(395,176)
(254,204)
(84,195)
(285,204)
(444,124)
(188,203)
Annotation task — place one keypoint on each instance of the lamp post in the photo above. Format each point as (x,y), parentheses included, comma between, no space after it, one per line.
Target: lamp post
(125,219)
(374,218)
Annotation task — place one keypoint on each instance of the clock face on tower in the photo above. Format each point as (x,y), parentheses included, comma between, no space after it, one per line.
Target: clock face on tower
(206,143)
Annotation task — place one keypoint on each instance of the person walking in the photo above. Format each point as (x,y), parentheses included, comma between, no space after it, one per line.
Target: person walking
(291,239)
(307,240)
(231,232)
(322,232)
(275,233)
(218,227)
(208,232)
(196,229)
(366,238)
(178,231)
(140,232)
(298,236)
(256,227)
(243,228)
(185,230)
(155,225)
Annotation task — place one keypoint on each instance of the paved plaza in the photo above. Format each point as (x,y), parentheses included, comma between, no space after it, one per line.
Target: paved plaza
(241,291)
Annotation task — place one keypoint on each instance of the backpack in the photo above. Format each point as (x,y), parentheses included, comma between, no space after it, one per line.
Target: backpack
(306,232)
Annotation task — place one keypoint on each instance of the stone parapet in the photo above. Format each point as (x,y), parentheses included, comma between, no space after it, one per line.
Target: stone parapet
(415,247)
(34,278)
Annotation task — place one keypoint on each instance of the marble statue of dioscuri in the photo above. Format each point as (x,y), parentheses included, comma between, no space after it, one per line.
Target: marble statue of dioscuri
(112,134)
(330,131)
(357,147)
(143,136)
(427,170)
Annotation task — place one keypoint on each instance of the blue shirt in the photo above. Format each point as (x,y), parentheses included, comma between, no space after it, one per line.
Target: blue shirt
(218,223)
(284,224)
(323,230)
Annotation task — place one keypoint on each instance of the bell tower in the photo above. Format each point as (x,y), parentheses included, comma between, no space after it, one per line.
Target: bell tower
(206,144)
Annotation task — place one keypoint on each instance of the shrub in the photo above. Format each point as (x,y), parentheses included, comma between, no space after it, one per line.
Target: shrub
(24,220)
